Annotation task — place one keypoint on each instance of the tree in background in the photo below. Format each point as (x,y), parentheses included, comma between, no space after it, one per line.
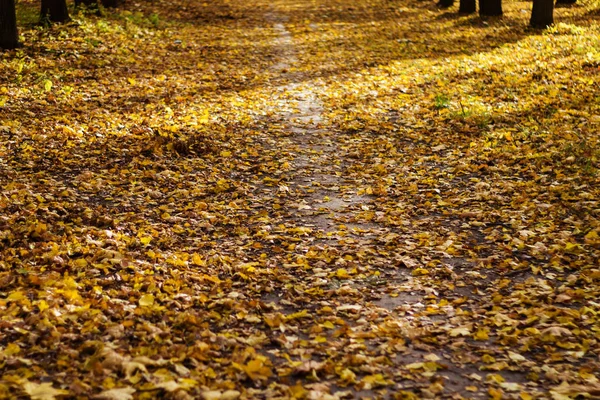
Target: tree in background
(445,3)
(490,8)
(487,8)
(467,6)
(110,3)
(9,37)
(542,13)
(54,11)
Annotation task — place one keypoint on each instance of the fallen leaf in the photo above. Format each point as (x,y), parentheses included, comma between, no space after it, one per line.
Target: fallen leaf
(42,391)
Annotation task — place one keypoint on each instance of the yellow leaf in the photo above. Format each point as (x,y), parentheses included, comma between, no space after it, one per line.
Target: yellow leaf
(420,271)
(47,85)
(560,396)
(460,331)
(348,376)
(373,380)
(70,283)
(481,335)
(147,300)
(416,365)
(217,395)
(516,357)
(432,366)
(211,395)
(230,395)
(253,319)
(42,391)
(225,153)
(205,118)
(169,386)
(488,359)
(495,394)
(298,391)
(328,325)
(146,240)
(16,296)
(494,378)
(342,274)
(124,393)
(298,315)
(510,386)
(256,369)
(197,260)
(320,339)
(42,305)
(131,81)
(12,349)
(80,263)
(572,247)
(592,237)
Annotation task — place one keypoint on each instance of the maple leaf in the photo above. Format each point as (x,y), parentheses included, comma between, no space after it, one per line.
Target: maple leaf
(123,393)
(460,331)
(42,391)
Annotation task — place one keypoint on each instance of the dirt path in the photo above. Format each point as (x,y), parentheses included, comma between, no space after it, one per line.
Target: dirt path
(356,269)
(317,163)
(341,257)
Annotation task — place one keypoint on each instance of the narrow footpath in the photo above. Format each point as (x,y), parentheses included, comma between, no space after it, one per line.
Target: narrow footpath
(346,294)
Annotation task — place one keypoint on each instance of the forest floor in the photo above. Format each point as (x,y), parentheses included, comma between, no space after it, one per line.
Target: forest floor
(294,199)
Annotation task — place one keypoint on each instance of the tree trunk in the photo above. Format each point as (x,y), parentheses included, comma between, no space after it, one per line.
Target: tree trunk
(110,3)
(565,2)
(55,11)
(445,3)
(9,38)
(490,8)
(542,13)
(467,6)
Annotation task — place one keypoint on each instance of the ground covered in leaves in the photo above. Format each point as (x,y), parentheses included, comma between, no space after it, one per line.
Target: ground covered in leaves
(300,200)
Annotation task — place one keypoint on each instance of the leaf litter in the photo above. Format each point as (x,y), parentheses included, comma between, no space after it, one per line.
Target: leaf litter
(310,200)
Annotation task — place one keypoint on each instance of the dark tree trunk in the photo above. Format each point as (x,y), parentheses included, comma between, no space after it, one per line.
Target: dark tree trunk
(542,13)
(110,3)
(9,38)
(445,3)
(490,8)
(565,2)
(55,11)
(467,6)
